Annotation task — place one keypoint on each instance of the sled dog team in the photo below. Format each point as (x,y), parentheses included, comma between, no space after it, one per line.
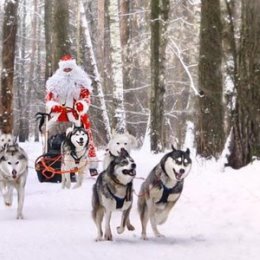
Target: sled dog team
(113,189)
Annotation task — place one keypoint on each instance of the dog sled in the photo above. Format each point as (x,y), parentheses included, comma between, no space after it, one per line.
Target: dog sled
(48,164)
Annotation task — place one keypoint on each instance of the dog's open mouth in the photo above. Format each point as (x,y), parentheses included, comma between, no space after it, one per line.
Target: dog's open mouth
(81,143)
(131,172)
(178,175)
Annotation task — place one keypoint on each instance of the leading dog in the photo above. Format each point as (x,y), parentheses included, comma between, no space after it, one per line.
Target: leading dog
(74,150)
(113,191)
(162,189)
(13,174)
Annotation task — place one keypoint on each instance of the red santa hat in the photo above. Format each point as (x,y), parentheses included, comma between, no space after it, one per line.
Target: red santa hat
(67,61)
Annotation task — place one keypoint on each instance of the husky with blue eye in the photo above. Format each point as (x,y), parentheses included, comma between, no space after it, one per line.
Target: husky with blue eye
(13,174)
(113,191)
(162,189)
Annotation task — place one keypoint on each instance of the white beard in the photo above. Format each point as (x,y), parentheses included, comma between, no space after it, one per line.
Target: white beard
(66,87)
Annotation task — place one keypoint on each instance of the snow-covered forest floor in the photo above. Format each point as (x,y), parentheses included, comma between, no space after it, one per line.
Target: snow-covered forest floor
(216,218)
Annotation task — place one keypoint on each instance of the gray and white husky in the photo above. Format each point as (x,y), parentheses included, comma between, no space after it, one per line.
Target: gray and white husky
(162,188)
(13,174)
(113,191)
(74,150)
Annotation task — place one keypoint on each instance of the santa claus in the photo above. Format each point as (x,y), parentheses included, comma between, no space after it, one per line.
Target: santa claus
(68,99)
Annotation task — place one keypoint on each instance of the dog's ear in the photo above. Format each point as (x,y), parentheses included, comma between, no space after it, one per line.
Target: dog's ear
(132,140)
(173,148)
(113,132)
(188,151)
(69,130)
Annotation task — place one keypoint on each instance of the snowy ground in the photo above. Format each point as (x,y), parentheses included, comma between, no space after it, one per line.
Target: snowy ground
(217,218)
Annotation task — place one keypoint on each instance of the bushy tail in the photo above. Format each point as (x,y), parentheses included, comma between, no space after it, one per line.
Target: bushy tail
(95,202)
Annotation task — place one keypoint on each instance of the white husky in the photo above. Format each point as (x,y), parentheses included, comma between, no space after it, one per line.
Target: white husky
(116,143)
(13,174)
(5,139)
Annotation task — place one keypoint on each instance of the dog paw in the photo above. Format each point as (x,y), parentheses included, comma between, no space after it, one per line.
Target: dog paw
(76,186)
(159,235)
(98,239)
(8,204)
(130,227)
(144,237)
(19,216)
(120,230)
(108,237)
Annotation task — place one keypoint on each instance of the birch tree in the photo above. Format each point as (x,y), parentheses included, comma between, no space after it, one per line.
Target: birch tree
(117,69)
(95,73)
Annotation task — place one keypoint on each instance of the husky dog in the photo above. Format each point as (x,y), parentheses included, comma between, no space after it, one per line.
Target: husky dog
(13,174)
(74,152)
(113,191)
(162,188)
(117,142)
(5,139)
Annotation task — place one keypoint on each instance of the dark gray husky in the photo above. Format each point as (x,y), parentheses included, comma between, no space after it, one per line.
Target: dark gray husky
(162,188)
(113,191)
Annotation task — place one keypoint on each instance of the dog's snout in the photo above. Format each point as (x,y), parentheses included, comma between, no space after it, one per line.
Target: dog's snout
(81,139)
(133,165)
(14,173)
(182,171)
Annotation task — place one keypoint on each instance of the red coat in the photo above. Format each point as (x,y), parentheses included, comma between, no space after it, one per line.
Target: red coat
(61,107)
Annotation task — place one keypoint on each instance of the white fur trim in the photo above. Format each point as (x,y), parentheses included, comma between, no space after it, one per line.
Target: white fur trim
(50,104)
(67,64)
(74,80)
(85,107)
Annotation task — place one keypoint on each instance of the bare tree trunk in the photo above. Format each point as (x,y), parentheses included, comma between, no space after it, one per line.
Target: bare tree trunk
(159,19)
(8,57)
(118,98)
(246,119)
(56,33)
(210,129)
(48,22)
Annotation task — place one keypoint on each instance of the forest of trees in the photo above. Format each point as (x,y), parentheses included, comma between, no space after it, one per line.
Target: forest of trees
(161,69)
